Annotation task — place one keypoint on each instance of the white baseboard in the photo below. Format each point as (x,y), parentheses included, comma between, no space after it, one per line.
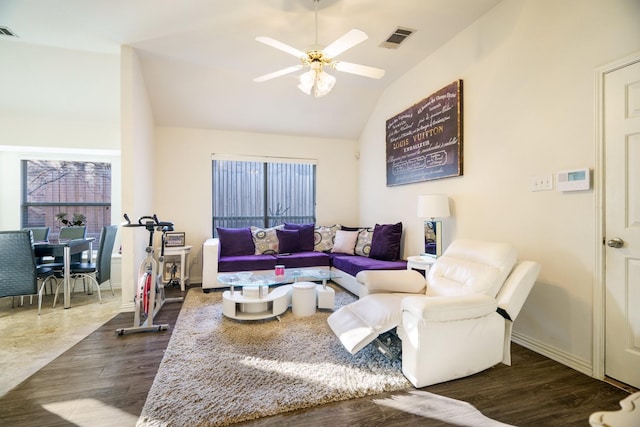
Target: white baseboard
(560,356)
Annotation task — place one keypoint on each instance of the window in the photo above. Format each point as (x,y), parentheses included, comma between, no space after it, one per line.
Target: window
(51,187)
(262,194)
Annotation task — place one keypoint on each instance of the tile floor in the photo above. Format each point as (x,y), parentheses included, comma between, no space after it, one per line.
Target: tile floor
(28,341)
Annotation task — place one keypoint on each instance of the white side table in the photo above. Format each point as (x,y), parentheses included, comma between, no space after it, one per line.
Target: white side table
(303,298)
(236,305)
(183,253)
(326,297)
(420,263)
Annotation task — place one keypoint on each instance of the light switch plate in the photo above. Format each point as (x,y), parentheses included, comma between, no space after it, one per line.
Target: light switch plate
(542,183)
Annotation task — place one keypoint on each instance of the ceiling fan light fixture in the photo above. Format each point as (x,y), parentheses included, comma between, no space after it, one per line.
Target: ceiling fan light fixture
(324,84)
(316,82)
(306,81)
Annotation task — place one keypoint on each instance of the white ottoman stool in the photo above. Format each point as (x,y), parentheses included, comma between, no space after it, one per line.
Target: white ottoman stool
(326,297)
(303,298)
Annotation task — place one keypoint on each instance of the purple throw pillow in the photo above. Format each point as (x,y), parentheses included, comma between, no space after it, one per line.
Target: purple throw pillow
(235,241)
(307,235)
(288,241)
(385,242)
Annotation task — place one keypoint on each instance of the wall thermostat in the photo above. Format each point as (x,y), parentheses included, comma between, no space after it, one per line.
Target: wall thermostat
(574,180)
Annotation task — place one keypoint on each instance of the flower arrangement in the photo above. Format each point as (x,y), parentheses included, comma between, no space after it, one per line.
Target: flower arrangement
(76,220)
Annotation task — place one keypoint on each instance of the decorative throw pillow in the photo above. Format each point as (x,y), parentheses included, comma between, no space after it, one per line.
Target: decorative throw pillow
(363,244)
(345,242)
(306,235)
(288,241)
(265,240)
(323,237)
(385,243)
(235,241)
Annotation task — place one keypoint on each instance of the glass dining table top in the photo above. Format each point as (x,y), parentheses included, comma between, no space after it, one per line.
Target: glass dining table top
(56,248)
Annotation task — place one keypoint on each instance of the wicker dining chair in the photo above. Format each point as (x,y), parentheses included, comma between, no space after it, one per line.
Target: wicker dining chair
(40,234)
(19,273)
(70,233)
(100,271)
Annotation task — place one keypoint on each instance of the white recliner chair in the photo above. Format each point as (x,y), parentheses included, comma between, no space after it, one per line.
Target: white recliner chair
(455,323)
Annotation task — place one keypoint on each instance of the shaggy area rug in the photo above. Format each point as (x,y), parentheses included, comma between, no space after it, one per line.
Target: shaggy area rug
(218,371)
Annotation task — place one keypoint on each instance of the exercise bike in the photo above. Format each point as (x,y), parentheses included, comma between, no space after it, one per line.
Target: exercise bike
(149,295)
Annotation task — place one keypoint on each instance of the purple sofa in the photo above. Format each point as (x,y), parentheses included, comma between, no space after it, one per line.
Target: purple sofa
(343,250)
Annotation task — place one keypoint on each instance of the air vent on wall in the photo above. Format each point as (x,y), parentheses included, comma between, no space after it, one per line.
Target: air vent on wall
(4,31)
(397,37)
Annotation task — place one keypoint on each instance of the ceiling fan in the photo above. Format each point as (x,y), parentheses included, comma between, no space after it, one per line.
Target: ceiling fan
(317,81)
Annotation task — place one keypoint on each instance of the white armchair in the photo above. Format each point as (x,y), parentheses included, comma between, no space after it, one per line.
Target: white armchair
(460,325)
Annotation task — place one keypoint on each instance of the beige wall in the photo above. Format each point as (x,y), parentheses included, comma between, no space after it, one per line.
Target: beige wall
(529,75)
(58,98)
(183,176)
(138,169)
(528,71)
(51,108)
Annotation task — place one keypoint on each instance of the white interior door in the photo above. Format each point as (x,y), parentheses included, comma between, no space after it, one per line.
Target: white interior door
(622,223)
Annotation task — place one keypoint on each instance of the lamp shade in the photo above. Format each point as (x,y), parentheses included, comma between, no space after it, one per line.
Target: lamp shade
(316,82)
(306,81)
(433,206)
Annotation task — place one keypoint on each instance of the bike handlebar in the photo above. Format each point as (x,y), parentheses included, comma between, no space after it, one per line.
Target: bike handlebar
(150,222)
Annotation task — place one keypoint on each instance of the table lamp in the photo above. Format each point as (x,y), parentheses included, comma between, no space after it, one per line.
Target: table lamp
(433,206)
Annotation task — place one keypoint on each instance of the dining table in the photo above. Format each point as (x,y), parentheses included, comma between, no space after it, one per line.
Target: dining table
(65,249)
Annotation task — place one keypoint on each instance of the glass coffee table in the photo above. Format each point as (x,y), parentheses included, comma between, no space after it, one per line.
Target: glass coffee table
(262,296)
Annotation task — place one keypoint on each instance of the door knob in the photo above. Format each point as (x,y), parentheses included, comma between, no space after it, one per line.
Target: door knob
(615,243)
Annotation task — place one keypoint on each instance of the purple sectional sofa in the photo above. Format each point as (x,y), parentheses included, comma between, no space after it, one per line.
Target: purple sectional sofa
(344,251)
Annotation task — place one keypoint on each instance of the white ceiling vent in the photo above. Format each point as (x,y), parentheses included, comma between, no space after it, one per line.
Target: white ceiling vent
(4,31)
(396,38)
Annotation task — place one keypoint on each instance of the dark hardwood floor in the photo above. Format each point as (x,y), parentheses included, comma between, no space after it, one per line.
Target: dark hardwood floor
(118,372)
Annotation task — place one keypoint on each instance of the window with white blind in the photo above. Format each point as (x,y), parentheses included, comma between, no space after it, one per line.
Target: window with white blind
(52,187)
(262,192)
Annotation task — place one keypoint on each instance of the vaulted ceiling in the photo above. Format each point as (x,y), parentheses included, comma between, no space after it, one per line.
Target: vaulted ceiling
(199,57)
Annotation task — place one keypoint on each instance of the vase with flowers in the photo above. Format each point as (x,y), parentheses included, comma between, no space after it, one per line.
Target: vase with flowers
(77,220)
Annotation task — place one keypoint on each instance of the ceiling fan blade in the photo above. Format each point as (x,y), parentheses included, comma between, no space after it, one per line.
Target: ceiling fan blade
(347,41)
(277,73)
(361,70)
(281,46)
